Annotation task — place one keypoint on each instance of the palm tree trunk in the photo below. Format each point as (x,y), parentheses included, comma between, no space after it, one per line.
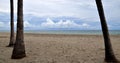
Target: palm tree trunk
(11,43)
(109,54)
(19,47)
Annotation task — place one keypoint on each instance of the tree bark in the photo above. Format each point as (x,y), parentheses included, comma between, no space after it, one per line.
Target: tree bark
(11,43)
(19,47)
(109,54)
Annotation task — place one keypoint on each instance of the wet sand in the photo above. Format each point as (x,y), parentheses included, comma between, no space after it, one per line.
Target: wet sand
(52,48)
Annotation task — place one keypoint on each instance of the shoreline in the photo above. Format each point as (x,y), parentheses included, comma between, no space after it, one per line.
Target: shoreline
(45,34)
(69,32)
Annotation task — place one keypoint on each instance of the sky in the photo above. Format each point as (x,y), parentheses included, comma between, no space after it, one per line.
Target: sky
(62,14)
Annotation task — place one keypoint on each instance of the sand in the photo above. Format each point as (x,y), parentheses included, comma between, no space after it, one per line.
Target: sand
(51,48)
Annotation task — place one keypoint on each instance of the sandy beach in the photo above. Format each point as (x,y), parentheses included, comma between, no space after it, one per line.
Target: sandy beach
(52,48)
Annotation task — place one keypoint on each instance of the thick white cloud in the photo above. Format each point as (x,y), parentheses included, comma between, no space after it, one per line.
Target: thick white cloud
(5,6)
(49,24)
(62,24)
(75,8)
(84,9)
(26,24)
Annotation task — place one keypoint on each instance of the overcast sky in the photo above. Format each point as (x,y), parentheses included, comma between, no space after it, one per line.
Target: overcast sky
(83,9)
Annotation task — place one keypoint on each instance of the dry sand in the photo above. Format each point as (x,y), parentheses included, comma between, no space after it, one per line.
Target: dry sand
(46,48)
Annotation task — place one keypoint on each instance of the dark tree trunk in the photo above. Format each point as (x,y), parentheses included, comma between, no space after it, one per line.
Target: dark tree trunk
(19,47)
(109,54)
(11,43)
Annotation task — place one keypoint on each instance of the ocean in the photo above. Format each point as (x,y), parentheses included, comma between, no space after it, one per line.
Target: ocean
(78,32)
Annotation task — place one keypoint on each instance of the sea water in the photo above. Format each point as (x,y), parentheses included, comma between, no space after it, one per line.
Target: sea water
(78,32)
(84,32)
